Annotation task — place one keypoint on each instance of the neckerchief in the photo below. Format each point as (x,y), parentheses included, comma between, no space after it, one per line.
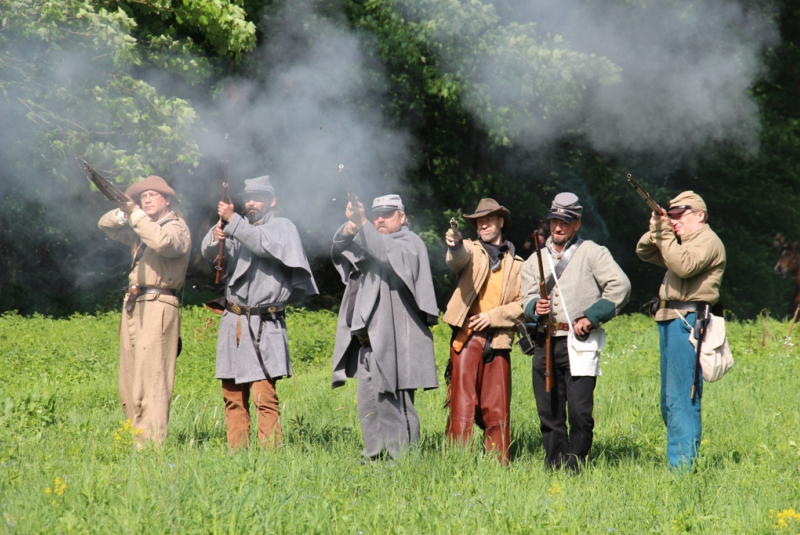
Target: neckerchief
(496,253)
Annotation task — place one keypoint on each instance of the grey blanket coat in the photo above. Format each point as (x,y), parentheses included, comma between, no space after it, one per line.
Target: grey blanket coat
(394,304)
(264,264)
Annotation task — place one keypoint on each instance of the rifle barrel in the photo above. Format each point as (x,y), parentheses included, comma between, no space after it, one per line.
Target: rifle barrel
(654,206)
(105,187)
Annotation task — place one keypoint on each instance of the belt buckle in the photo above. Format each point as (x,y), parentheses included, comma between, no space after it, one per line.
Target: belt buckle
(236,309)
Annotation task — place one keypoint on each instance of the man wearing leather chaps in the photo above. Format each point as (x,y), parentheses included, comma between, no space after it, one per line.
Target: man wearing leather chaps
(484,308)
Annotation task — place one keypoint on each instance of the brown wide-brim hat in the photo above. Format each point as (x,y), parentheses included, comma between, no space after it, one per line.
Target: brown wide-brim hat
(152,183)
(486,207)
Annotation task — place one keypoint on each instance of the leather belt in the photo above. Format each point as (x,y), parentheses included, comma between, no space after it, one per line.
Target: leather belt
(558,326)
(133,291)
(693,306)
(274,310)
(139,290)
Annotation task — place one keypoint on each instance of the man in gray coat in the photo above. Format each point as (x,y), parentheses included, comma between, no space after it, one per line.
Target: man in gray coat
(265,265)
(383,335)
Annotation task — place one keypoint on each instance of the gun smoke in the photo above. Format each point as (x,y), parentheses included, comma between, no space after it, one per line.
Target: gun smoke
(312,98)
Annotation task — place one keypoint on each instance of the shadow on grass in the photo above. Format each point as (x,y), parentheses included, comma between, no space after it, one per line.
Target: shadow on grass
(300,431)
(197,436)
(613,452)
(526,442)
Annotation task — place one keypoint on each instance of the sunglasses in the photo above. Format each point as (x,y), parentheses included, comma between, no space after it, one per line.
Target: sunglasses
(677,212)
(383,214)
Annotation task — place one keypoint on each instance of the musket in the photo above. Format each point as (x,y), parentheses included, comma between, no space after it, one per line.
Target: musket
(219,261)
(644,195)
(548,325)
(350,194)
(108,189)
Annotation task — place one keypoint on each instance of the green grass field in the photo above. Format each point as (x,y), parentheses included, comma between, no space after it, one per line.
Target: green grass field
(67,464)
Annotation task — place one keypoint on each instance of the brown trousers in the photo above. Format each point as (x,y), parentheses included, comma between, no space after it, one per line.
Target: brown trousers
(237,412)
(148,338)
(480,393)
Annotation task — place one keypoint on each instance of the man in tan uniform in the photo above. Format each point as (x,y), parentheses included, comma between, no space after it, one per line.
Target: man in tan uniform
(159,238)
(483,311)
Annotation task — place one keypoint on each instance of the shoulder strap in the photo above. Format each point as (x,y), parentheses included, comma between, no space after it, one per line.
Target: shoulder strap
(562,264)
(138,248)
(563,300)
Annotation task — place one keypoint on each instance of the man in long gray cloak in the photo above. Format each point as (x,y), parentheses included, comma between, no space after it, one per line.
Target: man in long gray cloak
(265,265)
(383,334)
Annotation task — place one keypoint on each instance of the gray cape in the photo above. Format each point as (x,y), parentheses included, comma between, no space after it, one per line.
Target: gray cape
(394,304)
(264,264)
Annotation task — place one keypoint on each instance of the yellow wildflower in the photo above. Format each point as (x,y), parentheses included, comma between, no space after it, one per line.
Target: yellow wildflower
(58,489)
(123,437)
(784,518)
(555,488)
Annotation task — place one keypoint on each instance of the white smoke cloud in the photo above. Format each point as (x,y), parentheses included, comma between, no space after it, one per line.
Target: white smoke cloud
(311,105)
(685,70)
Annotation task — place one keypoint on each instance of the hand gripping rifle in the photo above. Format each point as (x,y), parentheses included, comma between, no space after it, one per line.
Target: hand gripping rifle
(644,195)
(548,325)
(108,189)
(219,261)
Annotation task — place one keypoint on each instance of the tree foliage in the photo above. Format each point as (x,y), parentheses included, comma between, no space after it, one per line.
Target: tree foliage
(76,69)
(494,100)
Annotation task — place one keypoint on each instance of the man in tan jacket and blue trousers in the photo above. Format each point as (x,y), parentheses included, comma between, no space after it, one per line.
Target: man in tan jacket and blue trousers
(680,240)
(483,312)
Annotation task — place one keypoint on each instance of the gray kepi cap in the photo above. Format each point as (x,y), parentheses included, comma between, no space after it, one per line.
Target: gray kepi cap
(260,185)
(566,207)
(387,203)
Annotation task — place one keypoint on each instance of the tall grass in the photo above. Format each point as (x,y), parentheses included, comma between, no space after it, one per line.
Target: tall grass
(60,418)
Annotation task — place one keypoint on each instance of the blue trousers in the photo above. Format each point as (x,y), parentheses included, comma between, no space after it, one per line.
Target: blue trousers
(681,414)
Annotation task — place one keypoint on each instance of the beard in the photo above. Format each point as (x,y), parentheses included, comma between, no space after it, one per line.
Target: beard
(254,216)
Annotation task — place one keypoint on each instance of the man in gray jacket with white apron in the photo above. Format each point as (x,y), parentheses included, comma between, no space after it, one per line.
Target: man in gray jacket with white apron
(383,335)
(264,265)
(588,289)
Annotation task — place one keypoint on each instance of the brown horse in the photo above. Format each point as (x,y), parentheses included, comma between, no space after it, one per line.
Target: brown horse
(788,262)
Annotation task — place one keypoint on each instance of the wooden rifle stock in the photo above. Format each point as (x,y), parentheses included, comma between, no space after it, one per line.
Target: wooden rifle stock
(548,326)
(108,189)
(654,206)
(219,261)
